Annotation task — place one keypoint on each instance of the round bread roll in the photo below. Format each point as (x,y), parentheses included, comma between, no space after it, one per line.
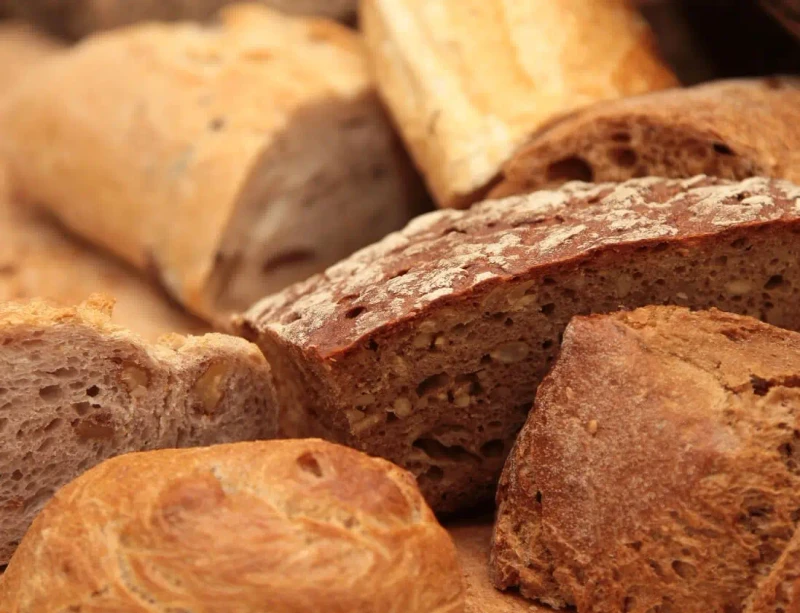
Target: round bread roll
(267,527)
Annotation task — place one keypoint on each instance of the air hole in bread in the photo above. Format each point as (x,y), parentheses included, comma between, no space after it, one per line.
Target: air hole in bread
(50,393)
(92,391)
(774,281)
(722,149)
(621,137)
(81,408)
(308,463)
(434,473)
(548,308)
(355,312)
(432,384)
(65,373)
(438,451)
(55,423)
(624,157)
(16,475)
(288,258)
(570,169)
(683,569)
(493,449)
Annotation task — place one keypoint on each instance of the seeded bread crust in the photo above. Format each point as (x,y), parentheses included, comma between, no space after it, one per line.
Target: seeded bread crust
(76,389)
(278,526)
(659,468)
(427,347)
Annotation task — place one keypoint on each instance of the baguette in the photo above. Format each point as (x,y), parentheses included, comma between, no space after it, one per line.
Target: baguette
(279,526)
(427,347)
(659,467)
(75,390)
(77,18)
(227,161)
(733,129)
(468,81)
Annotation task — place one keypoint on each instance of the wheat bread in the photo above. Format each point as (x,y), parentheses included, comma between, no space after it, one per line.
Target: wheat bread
(468,81)
(658,469)
(227,161)
(732,129)
(427,347)
(76,389)
(278,526)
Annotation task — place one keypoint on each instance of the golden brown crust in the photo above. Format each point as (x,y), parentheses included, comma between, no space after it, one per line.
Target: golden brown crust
(284,526)
(732,129)
(21,48)
(468,81)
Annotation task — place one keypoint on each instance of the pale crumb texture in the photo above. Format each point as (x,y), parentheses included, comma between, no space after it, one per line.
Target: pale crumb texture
(427,347)
(687,497)
(76,389)
(278,526)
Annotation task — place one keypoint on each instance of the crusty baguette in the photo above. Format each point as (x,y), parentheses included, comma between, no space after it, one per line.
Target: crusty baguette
(278,527)
(659,467)
(77,18)
(732,129)
(229,161)
(427,347)
(75,389)
(468,81)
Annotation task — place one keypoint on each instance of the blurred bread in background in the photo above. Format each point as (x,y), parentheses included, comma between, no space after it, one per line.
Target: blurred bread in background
(226,161)
(21,47)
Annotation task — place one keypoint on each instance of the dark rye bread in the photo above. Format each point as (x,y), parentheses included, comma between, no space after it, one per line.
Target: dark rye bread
(660,468)
(731,129)
(427,347)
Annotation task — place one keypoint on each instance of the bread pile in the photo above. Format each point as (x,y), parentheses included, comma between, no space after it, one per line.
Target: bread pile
(598,329)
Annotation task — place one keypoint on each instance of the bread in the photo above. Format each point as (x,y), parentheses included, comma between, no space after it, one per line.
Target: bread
(658,469)
(468,81)
(787,12)
(76,18)
(75,390)
(732,129)
(472,538)
(427,347)
(21,48)
(228,161)
(279,526)
(780,589)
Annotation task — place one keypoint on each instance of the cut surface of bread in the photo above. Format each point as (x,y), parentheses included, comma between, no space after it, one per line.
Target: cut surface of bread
(468,81)
(733,129)
(427,347)
(659,467)
(779,591)
(227,160)
(75,390)
(279,526)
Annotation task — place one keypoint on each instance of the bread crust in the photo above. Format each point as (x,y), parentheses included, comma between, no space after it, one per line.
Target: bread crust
(468,81)
(279,526)
(179,147)
(658,466)
(733,129)
(76,389)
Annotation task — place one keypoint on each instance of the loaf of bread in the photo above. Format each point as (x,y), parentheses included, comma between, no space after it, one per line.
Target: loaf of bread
(427,347)
(21,48)
(780,589)
(659,468)
(228,161)
(732,129)
(76,18)
(468,81)
(75,390)
(278,527)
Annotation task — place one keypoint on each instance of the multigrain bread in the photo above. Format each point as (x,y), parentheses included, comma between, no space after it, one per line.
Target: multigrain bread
(659,468)
(278,526)
(75,390)
(427,347)
(76,18)
(732,129)
(468,81)
(227,160)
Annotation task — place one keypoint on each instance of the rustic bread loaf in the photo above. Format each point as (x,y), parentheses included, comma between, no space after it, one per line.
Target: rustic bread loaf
(427,347)
(779,591)
(659,468)
(230,160)
(21,48)
(733,129)
(278,526)
(75,390)
(76,18)
(468,81)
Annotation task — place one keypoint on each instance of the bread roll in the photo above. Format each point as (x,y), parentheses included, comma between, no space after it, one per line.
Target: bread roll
(75,390)
(732,129)
(468,81)
(659,468)
(228,161)
(280,526)
(76,18)
(427,347)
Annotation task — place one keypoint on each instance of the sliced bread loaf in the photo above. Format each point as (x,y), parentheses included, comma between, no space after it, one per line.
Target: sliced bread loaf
(427,347)
(779,591)
(732,129)
(277,526)
(659,468)
(75,390)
